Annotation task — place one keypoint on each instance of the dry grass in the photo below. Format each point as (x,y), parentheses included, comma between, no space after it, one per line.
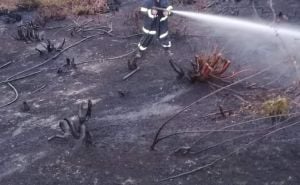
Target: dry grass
(8,4)
(276,106)
(58,9)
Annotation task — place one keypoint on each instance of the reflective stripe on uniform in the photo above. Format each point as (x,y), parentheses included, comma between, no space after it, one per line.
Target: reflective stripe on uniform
(163,35)
(143,9)
(163,18)
(149,31)
(141,47)
(150,15)
(167,46)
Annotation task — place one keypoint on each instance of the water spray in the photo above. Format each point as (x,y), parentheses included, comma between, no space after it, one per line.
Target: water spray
(280,32)
(242,24)
(233,22)
(285,35)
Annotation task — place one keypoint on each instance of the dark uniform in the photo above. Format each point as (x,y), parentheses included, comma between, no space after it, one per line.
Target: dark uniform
(155,24)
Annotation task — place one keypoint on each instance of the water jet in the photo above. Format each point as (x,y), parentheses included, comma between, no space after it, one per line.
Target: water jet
(242,24)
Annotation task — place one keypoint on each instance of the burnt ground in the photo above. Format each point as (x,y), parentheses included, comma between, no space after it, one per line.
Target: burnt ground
(124,127)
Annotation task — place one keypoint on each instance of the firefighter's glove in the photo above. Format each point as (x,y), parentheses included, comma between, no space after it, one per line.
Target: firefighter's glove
(168,11)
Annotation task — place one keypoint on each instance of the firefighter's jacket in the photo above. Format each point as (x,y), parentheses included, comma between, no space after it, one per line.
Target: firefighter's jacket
(155,25)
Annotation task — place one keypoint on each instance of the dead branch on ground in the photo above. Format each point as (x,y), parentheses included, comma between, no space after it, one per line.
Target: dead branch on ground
(87,27)
(121,56)
(231,153)
(39,89)
(131,73)
(15,98)
(15,76)
(187,150)
(200,132)
(9,83)
(182,149)
(5,65)
(243,123)
(201,99)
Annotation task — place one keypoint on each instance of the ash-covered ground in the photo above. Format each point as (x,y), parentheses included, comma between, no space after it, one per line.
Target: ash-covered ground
(123,127)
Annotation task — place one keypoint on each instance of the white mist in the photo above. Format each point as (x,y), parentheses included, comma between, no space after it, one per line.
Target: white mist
(254,42)
(241,24)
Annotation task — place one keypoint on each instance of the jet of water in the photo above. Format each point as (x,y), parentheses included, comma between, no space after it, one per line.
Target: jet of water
(272,43)
(241,24)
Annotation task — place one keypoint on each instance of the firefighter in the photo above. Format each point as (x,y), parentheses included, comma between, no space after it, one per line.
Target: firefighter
(155,24)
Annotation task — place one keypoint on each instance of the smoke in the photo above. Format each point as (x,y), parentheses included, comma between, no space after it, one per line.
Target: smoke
(252,43)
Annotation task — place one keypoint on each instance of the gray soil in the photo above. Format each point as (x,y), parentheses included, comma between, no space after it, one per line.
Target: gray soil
(123,128)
